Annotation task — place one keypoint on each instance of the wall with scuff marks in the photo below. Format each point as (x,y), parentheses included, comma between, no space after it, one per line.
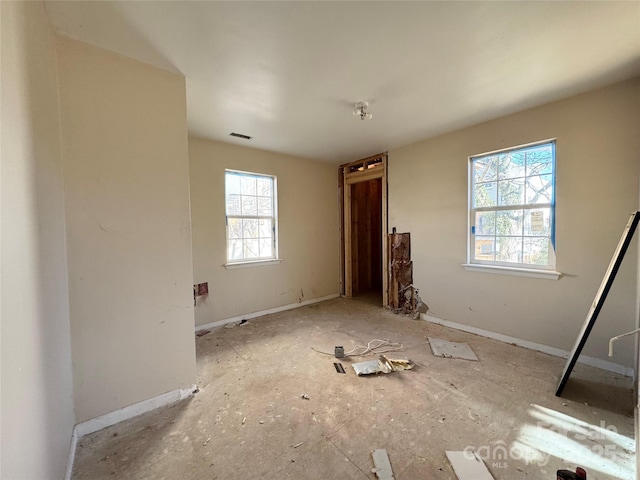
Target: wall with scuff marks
(128,228)
(307,226)
(37,403)
(598,142)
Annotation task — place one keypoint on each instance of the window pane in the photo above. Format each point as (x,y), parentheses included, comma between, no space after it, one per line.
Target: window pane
(250,228)
(264,187)
(233,205)
(511,192)
(266,248)
(485,194)
(235,249)
(251,216)
(509,249)
(512,202)
(537,222)
(235,227)
(265,228)
(539,189)
(249,206)
(536,251)
(540,160)
(264,207)
(484,248)
(485,169)
(485,223)
(248,185)
(509,222)
(511,165)
(232,183)
(251,248)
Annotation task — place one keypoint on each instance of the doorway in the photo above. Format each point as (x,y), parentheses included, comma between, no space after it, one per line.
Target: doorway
(366,238)
(363,188)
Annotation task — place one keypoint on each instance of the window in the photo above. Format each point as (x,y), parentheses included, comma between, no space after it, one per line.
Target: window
(512,207)
(251,217)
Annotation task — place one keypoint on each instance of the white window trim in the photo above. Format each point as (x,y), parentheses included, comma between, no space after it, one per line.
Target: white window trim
(251,263)
(229,265)
(524,270)
(517,271)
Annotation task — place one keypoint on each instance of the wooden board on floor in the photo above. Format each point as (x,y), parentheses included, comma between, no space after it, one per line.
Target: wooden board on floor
(468,466)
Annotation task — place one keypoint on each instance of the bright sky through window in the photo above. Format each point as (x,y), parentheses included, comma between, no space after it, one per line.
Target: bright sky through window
(512,206)
(251,216)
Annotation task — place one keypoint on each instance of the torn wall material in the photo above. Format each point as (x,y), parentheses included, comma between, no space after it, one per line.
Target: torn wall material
(403,296)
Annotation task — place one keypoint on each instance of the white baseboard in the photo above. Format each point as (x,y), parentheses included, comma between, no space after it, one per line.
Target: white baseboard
(117,416)
(556,352)
(291,306)
(72,455)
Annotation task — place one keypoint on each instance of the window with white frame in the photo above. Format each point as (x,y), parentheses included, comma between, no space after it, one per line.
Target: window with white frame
(251,216)
(512,207)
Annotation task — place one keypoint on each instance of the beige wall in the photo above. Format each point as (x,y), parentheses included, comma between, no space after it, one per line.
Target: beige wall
(128,228)
(308,232)
(598,140)
(37,404)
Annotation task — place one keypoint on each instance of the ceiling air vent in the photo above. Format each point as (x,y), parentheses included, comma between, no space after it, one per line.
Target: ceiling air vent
(240,135)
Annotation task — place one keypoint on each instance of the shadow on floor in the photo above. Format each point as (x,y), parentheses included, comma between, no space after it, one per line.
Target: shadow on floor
(370,297)
(611,398)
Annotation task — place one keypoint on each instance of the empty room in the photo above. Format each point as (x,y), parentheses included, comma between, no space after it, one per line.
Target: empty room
(363,240)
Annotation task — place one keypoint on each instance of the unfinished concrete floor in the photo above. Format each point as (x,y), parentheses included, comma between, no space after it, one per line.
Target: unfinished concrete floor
(249,419)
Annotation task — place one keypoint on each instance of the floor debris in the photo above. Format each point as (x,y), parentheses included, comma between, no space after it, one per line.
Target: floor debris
(297,445)
(468,466)
(443,348)
(201,333)
(395,364)
(235,324)
(366,368)
(339,367)
(382,467)
(304,396)
(206,441)
(382,365)
(579,474)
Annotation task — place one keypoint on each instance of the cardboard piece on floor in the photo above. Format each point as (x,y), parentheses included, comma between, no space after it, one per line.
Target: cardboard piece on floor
(443,348)
(468,466)
(382,466)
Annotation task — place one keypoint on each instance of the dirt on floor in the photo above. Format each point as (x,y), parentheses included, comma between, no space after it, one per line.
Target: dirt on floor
(271,407)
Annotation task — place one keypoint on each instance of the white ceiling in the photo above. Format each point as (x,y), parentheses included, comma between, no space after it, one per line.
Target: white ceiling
(289,73)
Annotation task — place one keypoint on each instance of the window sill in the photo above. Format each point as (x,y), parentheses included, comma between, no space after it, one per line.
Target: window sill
(256,263)
(521,272)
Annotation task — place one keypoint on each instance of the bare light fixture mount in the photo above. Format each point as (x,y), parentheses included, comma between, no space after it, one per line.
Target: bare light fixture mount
(360,110)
